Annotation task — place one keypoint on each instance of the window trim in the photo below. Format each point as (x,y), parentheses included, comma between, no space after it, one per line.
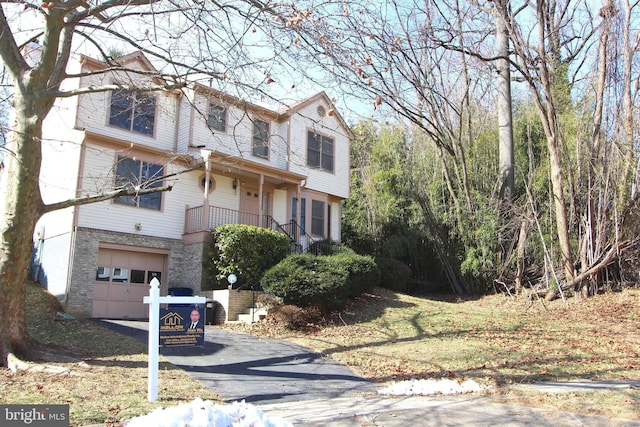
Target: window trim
(266,143)
(225,111)
(131,107)
(319,152)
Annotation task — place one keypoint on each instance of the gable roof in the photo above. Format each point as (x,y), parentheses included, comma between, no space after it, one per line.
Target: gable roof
(123,61)
(320,96)
(135,57)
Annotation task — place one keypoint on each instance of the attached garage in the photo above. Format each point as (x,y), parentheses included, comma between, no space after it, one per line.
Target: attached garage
(122,281)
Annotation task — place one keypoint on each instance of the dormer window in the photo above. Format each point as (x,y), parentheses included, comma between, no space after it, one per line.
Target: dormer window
(132,111)
(260,138)
(217,117)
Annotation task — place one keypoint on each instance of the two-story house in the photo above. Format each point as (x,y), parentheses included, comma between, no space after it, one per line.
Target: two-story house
(234,162)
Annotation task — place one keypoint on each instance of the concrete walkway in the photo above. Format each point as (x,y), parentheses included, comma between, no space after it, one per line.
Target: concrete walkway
(301,386)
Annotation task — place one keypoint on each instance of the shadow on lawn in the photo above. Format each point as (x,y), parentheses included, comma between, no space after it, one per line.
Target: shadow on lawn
(370,306)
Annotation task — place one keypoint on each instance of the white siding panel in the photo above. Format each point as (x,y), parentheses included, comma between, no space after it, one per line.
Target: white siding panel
(169,222)
(336,183)
(107,215)
(185,115)
(224,195)
(279,145)
(93,116)
(237,140)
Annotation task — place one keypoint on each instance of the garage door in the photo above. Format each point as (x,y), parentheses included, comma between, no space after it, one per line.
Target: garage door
(122,281)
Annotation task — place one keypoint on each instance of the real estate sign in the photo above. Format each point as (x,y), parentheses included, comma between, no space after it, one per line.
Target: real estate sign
(181,326)
(154,300)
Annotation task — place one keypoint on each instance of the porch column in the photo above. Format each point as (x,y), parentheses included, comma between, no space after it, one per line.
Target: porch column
(260,202)
(207,178)
(299,210)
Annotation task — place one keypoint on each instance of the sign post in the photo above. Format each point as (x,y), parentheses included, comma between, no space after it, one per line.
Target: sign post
(154,300)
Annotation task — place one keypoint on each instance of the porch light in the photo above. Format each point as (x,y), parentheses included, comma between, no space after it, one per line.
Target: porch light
(232,278)
(234,183)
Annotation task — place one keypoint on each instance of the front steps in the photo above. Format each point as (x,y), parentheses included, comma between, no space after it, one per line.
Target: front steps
(251,315)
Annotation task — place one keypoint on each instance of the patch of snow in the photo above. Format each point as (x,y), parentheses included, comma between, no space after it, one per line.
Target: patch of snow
(203,413)
(430,387)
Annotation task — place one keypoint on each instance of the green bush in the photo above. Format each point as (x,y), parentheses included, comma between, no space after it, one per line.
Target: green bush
(394,274)
(324,281)
(364,274)
(246,251)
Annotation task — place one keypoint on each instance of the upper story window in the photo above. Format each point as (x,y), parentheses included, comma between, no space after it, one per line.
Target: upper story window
(319,151)
(217,117)
(133,111)
(260,138)
(131,172)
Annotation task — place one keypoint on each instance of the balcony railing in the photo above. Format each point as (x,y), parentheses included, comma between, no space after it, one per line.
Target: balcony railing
(301,242)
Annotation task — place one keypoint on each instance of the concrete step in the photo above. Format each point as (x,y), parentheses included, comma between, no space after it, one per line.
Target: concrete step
(251,315)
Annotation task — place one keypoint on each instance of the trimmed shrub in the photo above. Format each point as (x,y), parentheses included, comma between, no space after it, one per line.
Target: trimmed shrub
(324,281)
(246,251)
(364,274)
(305,279)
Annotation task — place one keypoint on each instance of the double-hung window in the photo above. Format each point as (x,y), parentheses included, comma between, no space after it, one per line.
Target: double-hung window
(133,111)
(217,117)
(319,151)
(260,138)
(317,218)
(133,174)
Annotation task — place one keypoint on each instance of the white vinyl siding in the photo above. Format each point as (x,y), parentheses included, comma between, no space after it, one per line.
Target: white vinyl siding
(94,112)
(168,222)
(334,182)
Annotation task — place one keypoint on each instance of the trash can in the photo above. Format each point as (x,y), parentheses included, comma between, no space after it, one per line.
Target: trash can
(211,311)
(180,292)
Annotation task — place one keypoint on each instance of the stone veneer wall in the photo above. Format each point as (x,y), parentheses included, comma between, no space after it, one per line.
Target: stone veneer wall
(184,269)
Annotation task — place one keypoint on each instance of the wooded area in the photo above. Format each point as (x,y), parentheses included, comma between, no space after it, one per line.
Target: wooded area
(508,157)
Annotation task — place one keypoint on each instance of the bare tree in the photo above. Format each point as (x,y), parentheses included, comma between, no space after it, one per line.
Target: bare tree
(631,48)
(220,42)
(384,54)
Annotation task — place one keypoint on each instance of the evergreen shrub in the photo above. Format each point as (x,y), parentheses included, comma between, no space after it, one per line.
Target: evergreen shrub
(246,251)
(324,281)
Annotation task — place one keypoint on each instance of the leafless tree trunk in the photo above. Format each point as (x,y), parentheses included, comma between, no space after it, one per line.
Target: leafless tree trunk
(505,126)
(589,246)
(628,183)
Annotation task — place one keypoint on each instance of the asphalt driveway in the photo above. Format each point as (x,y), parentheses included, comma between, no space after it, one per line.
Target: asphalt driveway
(257,370)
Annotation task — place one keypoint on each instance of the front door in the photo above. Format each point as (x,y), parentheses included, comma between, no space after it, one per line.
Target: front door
(249,206)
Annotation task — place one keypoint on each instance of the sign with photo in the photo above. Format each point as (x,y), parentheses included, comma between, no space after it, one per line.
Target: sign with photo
(182,326)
